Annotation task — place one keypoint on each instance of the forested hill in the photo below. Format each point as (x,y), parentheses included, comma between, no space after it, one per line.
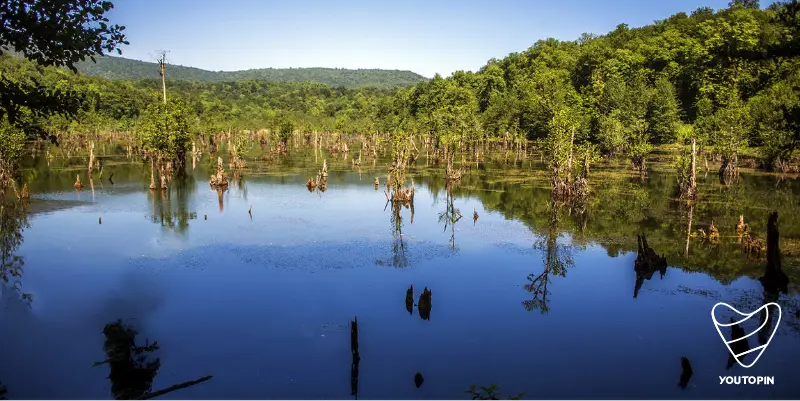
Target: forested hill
(122,68)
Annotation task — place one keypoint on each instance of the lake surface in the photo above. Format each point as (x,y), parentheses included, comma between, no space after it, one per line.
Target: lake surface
(263,301)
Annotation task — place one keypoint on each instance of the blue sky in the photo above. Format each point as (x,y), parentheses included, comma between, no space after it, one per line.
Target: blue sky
(422,36)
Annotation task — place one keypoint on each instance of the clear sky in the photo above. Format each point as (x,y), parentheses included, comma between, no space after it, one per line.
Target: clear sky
(422,36)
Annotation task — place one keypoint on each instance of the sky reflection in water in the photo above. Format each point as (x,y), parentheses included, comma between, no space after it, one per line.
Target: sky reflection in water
(264,304)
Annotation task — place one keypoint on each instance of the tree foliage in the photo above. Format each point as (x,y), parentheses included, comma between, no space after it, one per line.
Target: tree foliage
(731,74)
(51,33)
(121,68)
(165,130)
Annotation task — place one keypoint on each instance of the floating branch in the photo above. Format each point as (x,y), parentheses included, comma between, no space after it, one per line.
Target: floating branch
(175,387)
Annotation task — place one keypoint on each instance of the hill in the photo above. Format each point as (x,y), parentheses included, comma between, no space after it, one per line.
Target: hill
(122,68)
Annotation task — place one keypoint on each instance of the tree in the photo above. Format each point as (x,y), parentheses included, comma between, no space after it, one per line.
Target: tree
(51,33)
(58,32)
(731,122)
(162,70)
(776,115)
(12,141)
(165,130)
(663,113)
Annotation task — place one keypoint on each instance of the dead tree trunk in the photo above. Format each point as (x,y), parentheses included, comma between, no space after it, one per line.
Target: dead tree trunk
(162,66)
(693,173)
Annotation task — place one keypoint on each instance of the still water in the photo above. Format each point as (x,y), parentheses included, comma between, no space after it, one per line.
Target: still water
(535,297)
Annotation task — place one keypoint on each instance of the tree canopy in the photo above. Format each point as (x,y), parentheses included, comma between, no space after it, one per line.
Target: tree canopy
(51,33)
(727,76)
(121,68)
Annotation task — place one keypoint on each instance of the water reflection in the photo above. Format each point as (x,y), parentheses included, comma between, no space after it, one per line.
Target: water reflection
(410,300)
(450,216)
(686,372)
(356,358)
(516,205)
(739,345)
(399,244)
(170,208)
(418,380)
(775,281)
(132,367)
(424,304)
(14,208)
(557,259)
(646,264)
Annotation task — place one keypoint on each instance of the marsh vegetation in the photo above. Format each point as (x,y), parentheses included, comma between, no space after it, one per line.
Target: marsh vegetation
(667,149)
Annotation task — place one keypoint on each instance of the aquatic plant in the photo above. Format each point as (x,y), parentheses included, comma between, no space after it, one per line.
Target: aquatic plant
(491,392)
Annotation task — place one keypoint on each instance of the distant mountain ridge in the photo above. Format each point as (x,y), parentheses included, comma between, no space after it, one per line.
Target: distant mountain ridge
(110,67)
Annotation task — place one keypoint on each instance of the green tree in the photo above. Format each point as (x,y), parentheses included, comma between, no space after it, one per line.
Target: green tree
(730,125)
(165,130)
(51,33)
(663,113)
(776,116)
(12,144)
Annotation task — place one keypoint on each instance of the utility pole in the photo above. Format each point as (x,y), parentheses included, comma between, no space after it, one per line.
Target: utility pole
(162,65)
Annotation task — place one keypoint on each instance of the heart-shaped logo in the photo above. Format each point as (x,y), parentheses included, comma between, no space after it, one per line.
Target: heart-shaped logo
(738,345)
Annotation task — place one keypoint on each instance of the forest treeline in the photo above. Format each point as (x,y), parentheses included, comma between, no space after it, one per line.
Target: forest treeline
(122,68)
(728,78)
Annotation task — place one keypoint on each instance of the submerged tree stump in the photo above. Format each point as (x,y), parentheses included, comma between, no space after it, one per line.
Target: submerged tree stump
(729,170)
(410,300)
(91,158)
(424,304)
(713,234)
(740,228)
(356,356)
(686,372)
(78,184)
(418,380)
(220,179)
(646,264)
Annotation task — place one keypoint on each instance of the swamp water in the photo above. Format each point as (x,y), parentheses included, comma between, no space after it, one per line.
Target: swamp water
(535,297)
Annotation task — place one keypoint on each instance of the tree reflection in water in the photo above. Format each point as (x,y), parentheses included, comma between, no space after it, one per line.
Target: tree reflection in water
(132,368)
(399,246)
(450,216)
(557,259)
(14,208)
(170,207)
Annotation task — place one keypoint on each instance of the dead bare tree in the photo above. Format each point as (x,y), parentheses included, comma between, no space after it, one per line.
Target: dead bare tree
(162,69)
